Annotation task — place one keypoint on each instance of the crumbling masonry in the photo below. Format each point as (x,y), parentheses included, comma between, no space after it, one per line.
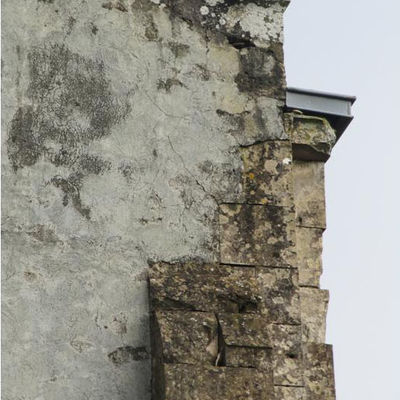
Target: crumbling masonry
(148,148)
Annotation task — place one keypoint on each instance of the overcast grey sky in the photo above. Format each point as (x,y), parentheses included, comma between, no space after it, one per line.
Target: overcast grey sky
(353,47)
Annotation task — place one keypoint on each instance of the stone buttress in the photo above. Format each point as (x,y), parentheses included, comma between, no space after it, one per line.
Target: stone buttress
(252,326)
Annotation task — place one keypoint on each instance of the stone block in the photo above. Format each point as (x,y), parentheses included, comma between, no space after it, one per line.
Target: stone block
(248,330)
(246,341)
(249,357)
(309,194)
(314,307)
(289,393)
(189,382)
(313,137)
(267,177)
(186,337)
(257,235)
(203,287)
(287,358)
(279,292)
(319,372)
(309,255)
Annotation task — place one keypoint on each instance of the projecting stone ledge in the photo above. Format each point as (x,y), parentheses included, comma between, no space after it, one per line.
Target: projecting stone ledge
(312,137)
(197,286)
(272,293)
(229,332)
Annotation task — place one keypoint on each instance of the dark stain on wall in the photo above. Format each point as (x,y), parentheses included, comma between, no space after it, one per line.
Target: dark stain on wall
(179,49)
(117,5)
(72,106)
(126,354)
(262,71)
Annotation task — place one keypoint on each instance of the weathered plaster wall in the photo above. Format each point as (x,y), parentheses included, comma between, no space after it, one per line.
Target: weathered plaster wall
(122,127)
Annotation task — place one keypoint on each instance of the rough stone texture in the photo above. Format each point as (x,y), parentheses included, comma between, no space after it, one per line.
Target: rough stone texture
(309,255)
(309,194)
(203,287)
(290,393)
(199,383)
(249,357)
(313,138)
(267,177)
(279,292)
(191,286)
(314,306)
(287,355)
(255,121)
(257,235)
(186,337)
(244,330)
(318,372)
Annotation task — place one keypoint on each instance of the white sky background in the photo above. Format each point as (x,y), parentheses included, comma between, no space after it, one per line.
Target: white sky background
(353,47)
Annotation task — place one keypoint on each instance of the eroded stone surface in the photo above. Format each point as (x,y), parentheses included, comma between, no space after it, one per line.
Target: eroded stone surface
(290,393)
(309,194)
(314,307)
(287,355)
(261,25)
(279,292)
(244,24)
(199,383)
(313,137)
(254,234)
(267,177)
(309,255)
(252,120)
(249,357)
(186,337)
(203,287)
(318,372)
(244,330)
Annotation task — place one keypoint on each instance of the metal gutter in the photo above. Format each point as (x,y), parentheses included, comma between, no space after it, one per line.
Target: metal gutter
(335,108)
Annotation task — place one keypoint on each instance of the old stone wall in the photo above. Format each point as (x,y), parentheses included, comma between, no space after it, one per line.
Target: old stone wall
(151,133)
(252,326)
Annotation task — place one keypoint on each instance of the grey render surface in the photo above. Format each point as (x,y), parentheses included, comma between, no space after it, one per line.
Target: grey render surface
(102,172)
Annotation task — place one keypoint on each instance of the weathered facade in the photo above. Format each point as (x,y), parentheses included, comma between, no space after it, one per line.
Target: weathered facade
(147,149)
